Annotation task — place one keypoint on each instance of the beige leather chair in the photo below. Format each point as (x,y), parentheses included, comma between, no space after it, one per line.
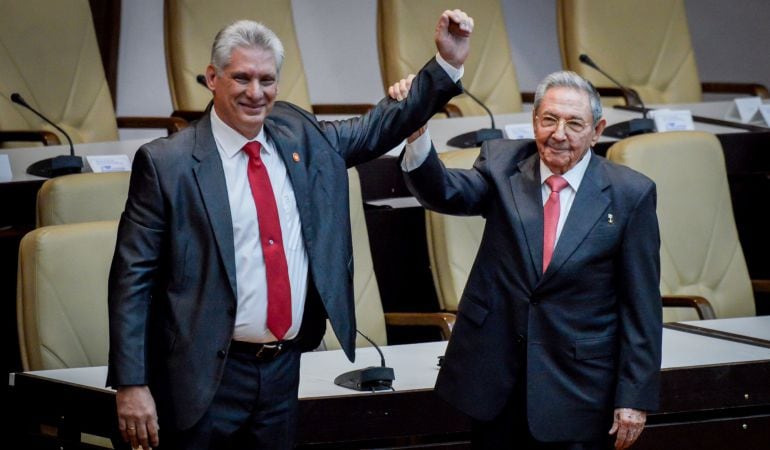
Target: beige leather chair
(453,241)
(62,295)
(643,44)
(700,252)
(190,27)
(370,318)
(83,197)
(49,55)
(405,38)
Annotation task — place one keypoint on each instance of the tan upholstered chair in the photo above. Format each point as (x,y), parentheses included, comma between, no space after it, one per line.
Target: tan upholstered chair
(190,27)
(49,55)
(643,44)
(700,252)
(370,318)
(62,295)
(83,197)
(453,241)
(405,38)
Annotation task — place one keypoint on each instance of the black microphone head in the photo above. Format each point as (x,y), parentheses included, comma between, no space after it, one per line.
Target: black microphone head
(201,79)
(16,98)
(585,59)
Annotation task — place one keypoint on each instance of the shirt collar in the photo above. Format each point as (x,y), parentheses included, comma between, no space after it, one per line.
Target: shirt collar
(230,141)
(573,176)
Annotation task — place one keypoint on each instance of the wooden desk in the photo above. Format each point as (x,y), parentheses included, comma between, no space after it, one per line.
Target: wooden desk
(715,395)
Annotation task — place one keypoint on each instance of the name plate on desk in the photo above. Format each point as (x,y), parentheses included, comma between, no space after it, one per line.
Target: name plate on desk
(672,119)
(5,168)
(747,110)
(109,163)
(519,131)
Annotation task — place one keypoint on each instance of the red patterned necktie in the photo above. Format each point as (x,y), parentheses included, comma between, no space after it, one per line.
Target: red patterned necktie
(551,217)
(277,271)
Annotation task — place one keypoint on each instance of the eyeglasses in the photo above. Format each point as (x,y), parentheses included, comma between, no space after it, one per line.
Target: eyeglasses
(573,126)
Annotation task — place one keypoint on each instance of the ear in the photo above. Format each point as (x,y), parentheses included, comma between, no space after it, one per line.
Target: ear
(598,129)
(211,75)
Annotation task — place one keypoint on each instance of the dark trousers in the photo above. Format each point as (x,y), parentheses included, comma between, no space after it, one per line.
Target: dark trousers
(255,407)
(510,430)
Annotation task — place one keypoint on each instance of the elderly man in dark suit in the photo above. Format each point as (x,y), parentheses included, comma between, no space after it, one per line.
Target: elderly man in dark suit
(235,247)
(558,336)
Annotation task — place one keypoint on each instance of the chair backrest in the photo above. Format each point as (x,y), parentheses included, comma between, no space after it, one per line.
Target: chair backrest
(453,241)
(645,45)
(190,28)
(370,318)
(405,38)
(49,54)
(700,253)
(62,295)
(82,197)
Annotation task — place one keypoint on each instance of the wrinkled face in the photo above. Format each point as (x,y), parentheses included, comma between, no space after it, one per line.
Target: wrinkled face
(245,91)
(564,129)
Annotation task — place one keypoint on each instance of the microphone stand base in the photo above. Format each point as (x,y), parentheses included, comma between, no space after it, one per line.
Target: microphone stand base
(367,379)
(630,128)
(475,138)
(54,167)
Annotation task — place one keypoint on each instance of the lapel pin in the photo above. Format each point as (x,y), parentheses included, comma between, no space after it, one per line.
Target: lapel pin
(610,219)
(295,156)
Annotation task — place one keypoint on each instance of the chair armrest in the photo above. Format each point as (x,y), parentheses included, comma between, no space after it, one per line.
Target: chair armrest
(735,88)
(336,108)
(451,110)
(527,97)
(188,115)
(171,124)
(629,95)
(761,286)
(700,304)
(44,137)
(444,321)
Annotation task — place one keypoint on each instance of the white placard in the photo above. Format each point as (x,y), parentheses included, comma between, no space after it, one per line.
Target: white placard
(764,111)
(109,163)
(672,119)
(519,131)
(745,110)
(5,168)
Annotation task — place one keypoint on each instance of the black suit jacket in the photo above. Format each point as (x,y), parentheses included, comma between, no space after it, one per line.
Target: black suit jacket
(586,334)
(172,293)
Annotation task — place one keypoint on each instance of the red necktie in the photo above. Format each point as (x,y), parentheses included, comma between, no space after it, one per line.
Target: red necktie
(551,217)
(277,271)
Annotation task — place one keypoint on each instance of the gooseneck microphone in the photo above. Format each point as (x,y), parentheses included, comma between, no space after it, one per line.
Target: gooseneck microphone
(476,138)
(633,126)
(201,79)
(59,165)
(370,378)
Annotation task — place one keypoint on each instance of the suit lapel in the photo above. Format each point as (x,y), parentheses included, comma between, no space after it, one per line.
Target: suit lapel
(528,201)
(210,177)
(589,204)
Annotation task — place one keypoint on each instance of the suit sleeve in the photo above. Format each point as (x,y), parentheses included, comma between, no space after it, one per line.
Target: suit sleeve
(640,309)
(364,138)
(133,271)
(450,191)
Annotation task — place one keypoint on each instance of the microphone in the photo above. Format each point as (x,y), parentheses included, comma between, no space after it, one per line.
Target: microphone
(201,79)
(369,378)
(623,129)
(476,138)
(59,165)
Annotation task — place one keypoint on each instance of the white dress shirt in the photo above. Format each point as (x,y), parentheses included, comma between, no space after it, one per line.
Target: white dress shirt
(250,275)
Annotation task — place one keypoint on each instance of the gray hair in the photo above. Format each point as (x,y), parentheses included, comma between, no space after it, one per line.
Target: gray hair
(246,34)
(568,79)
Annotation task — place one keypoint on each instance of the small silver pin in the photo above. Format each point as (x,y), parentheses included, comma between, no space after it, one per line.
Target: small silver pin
(610,219)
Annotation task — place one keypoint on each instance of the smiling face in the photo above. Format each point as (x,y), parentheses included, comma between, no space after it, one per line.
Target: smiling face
(564,129)
(245,90)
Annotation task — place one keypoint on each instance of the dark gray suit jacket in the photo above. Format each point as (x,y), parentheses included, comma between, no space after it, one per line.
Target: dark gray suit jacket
(172,292)
(586,334)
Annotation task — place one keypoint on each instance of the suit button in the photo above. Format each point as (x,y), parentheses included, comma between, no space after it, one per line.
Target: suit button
(221,353)
(520,339)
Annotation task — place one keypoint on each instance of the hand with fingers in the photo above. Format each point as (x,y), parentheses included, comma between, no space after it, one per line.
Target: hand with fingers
(137,417)
(399,91)
(627,425)
(452,36)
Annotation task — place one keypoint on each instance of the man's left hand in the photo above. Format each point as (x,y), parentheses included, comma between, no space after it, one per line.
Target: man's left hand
(628,424)
(453,36)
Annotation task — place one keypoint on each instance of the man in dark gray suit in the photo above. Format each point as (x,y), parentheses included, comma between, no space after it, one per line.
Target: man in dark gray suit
(558,335)
(235,247)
